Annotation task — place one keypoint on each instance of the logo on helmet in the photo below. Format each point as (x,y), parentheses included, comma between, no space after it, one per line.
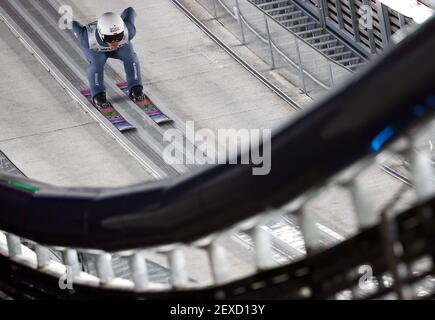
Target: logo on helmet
(115,29)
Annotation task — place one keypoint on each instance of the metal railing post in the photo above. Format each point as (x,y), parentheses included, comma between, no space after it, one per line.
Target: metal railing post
(301,69)
(103,264)
(384,23)
(70,258)
(355,22)
(270,41)
(370,28)
(139,271)
(263,248)
(42,256)
(339,14)
(214,9)
(320,3)
(177,262)
(14,245)
(218,262)
(402,20)
(239,19)
(366,214)
(310,232)
(331,77)
(422,174)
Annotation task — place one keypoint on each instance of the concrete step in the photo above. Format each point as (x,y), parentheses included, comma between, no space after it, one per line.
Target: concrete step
(302,25)
(272,3)
(303,33)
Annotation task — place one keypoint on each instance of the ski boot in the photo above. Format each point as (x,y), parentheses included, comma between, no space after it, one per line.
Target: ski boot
(100,101)
(136,93)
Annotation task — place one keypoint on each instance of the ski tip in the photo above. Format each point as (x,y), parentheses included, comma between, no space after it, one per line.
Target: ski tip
(124,129)
(164,121)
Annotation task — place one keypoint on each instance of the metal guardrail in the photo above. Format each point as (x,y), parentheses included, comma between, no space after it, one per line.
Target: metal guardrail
(287,52)
(236,57)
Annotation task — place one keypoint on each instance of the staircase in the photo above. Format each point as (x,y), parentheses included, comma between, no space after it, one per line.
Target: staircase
(295,19)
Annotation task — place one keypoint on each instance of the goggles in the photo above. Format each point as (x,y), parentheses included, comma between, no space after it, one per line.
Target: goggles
(113,38)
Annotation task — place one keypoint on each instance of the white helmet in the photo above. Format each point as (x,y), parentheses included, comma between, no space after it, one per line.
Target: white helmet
(111,27)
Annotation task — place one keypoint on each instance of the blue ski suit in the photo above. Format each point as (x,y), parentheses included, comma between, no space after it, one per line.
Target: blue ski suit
(97,59)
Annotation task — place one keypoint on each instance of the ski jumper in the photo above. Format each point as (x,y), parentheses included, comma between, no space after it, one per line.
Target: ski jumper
(97,52)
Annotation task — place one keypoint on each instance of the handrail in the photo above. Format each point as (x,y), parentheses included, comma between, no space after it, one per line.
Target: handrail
(168,211)
(319,82)
(300,38)
(279,51)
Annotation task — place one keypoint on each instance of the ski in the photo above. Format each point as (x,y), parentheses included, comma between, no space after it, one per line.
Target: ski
(111,114)
(147,106)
